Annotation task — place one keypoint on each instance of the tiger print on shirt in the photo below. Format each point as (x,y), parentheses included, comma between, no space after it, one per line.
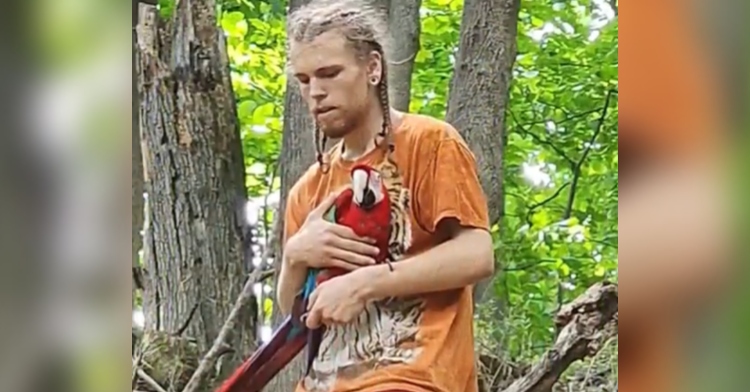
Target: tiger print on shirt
(386,331)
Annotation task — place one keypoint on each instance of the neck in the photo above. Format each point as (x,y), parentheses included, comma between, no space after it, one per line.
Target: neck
(361,140)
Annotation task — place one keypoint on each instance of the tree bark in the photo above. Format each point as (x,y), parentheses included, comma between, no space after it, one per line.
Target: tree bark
(479,93)
(297,154)
(584,325)
(404,44)
(136,170)
(195,181)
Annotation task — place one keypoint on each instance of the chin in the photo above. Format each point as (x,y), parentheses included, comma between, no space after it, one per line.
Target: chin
(335,130)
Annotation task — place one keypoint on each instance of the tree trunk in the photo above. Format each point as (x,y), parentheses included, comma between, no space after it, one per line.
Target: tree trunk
(136,171)
(404,32)
(195,181)
(479,92)
(297,154)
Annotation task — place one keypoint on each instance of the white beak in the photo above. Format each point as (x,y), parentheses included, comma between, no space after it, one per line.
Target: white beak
(359,184)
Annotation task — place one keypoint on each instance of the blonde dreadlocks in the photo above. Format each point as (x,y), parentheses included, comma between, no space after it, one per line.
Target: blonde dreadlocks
(363,27)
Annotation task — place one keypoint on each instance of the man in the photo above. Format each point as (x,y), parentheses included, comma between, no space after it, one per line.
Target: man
(424,340)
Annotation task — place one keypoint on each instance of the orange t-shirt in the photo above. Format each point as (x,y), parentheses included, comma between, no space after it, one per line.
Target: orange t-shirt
(422,345)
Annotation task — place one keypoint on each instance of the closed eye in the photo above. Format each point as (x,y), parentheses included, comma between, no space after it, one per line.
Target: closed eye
(303,79)
(329,72)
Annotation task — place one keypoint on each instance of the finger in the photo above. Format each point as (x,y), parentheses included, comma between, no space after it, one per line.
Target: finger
(338,317)
(354,259)
(327,317)
(346,232)
(345,265)
(312,299)
(324,205)
(354,246)
(313,319)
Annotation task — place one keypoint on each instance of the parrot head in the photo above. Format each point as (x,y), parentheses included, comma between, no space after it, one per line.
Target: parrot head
(367,186)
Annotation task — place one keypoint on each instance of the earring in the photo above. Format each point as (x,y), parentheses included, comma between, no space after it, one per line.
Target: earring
(374,80)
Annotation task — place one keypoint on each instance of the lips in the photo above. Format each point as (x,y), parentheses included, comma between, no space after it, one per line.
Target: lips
(323,110)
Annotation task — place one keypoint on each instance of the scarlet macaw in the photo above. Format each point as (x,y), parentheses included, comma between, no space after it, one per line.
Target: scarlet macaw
(365,207)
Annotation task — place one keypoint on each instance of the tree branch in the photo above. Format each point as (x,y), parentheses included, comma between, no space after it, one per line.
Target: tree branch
(150,381)
(578,165)
(533,207)
(540,139)
(187,321)
(267,274)
(577,176)
(568,118)
(539,262)
(549,199)
(219,346)
(582,326)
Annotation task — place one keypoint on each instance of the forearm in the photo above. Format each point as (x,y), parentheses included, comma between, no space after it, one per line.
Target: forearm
(458,262)
(291,278)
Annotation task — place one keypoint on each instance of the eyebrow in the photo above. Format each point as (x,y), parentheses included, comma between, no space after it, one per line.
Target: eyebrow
(334,67)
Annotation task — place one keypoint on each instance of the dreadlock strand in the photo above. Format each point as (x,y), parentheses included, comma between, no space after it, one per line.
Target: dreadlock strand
(387,131)
(318,149)
(324,163)
(323,152)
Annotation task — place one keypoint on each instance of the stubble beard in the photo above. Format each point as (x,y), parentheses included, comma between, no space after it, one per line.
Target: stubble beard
(341,127)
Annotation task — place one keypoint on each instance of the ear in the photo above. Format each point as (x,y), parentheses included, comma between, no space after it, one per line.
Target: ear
(374,68)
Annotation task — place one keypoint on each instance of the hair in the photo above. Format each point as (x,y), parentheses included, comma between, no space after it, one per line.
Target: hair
(364,28)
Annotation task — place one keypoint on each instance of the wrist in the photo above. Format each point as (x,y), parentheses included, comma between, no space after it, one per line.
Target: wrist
(294,263)
(291,258)
(375,280)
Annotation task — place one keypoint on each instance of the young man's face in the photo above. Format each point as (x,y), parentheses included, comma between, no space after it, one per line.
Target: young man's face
(333,82)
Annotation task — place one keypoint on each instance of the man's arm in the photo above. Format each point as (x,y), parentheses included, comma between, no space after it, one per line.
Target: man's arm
(291,278)
(449,202)
(292,274)
(464,259)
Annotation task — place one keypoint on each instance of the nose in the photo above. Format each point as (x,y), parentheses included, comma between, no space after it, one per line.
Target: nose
(317,92)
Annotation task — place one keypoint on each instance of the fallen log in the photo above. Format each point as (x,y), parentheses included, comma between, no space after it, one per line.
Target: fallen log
(583,327)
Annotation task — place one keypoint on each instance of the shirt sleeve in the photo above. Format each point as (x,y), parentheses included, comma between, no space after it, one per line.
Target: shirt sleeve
(450,188)
(294,213)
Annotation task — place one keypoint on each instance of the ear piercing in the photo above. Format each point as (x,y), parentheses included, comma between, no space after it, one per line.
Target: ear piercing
(374,80)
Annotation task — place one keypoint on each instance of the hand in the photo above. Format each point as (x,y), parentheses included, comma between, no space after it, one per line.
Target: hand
(337,301)
(322,244)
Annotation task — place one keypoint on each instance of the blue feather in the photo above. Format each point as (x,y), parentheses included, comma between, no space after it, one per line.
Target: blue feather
(310,283)
(307,290)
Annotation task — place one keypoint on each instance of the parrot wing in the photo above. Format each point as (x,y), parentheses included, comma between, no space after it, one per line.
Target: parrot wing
(314,339)
(288,340)
(285,344)
(255,373)
(315,336)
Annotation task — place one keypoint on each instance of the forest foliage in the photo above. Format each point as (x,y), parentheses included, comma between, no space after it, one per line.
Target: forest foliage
(559,233)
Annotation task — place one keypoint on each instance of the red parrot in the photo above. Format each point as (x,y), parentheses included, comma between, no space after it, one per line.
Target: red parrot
(364,207)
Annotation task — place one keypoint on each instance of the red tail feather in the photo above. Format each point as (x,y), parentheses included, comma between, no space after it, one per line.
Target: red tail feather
(255,373)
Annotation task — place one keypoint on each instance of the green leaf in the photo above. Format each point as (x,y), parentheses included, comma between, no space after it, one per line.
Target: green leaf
(263,113)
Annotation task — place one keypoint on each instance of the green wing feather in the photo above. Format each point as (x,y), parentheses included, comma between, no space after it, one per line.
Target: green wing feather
(330,215)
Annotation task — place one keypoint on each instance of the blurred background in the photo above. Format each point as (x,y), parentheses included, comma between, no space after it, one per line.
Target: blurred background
(71,95)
